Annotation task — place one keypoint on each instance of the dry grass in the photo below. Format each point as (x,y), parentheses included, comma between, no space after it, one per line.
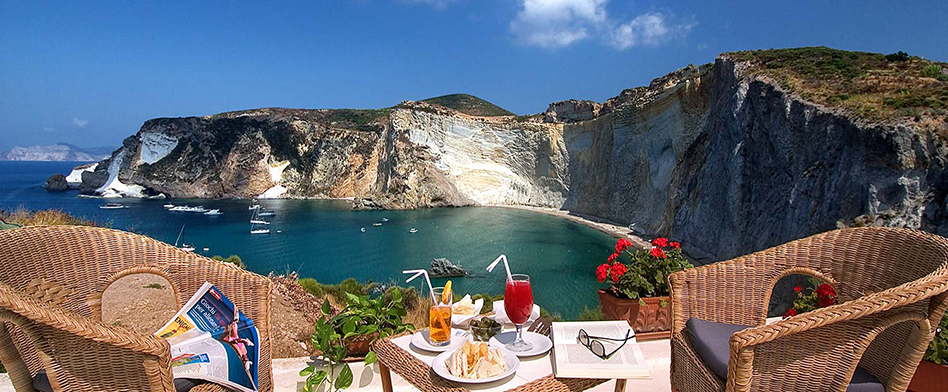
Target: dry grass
(869,85)
(43,218)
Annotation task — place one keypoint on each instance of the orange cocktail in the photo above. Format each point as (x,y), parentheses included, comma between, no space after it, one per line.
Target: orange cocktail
(439,317)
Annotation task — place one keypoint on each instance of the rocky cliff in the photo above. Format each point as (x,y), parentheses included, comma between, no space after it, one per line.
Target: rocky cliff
(56,152)
(728,157)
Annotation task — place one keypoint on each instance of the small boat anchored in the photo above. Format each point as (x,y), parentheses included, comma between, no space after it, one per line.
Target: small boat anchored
(214,212)
(362,230)
(188,209)
(169,205)
(377,224)
(413,230)
(266,213)
(112,206)
(384,219)
(255,221)
(184,247)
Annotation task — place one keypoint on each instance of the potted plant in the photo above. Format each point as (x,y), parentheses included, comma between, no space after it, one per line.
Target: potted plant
(350,333)
(638,290)
(365,320)
(815,295)
(932,371)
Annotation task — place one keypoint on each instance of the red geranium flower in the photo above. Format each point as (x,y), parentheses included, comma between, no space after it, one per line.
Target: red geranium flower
(825,290)
(622,245)
(658,252)
(790,313)
(798,289)
(617,270)
(826,301)
(660,242)
(602,272)
(675,245)
(613,257)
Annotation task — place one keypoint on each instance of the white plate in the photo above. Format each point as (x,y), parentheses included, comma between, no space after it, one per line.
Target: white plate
(458,319)
(501,315)
(421,341)
(541,344)
(441,369)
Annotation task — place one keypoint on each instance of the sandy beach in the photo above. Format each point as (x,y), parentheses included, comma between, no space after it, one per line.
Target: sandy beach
(604,225)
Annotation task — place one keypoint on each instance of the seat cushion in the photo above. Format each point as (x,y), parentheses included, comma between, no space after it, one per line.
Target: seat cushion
(710,341)
(41,383)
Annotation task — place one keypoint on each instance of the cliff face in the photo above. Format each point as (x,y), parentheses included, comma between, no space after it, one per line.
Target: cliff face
(717,157)
(56,152)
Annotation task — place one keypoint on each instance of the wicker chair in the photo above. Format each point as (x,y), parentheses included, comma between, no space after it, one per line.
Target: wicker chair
(892,287)
(51,284)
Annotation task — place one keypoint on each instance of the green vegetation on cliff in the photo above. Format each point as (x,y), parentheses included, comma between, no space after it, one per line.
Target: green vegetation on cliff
(870,85)
(469,104)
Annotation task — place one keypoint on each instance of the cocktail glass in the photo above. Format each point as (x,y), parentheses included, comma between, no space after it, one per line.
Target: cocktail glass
(439,319)
(518,304)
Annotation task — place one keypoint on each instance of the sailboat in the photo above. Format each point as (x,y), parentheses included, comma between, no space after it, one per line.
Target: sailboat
(184,247)
(255,221)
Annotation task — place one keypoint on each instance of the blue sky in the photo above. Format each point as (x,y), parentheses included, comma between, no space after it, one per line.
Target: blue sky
(90,73)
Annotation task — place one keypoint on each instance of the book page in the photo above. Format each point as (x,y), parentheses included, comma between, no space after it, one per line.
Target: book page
(574,359)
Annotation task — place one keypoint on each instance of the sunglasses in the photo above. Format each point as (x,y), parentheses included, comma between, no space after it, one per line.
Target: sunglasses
(597,348)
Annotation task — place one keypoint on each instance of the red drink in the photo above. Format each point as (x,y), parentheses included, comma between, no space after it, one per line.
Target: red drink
(518,301)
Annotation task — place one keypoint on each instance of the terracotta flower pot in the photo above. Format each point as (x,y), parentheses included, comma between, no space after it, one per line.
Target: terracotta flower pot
(359,345)
(929,377)
(649,322)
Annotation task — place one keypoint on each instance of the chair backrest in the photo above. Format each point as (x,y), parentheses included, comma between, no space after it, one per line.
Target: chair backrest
(861,261)
(71,266)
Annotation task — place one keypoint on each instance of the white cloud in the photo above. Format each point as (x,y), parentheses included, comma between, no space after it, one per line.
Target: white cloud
(557,23)
(79,123)
(650,29)
(560,23)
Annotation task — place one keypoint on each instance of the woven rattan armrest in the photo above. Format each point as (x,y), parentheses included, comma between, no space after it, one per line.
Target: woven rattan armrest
(54,317)
(725,292)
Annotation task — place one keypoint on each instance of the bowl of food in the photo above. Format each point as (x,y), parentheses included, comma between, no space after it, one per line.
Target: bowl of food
(465,309)
(484,329)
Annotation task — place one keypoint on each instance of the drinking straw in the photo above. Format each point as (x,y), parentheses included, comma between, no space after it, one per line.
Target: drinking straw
(490,268)
(425,273)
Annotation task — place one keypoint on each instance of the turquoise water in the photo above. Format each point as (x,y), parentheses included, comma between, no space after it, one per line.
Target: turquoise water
(321,238)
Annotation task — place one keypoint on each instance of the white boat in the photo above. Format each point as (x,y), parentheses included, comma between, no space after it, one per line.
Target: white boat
(377,224)
(112,206)
(384,219)
(362,230)
(169,205)
(266,213)
(184,247)
(214,212)
(188,209)
(413,230)
(256,221)
(206,249)
(254,207)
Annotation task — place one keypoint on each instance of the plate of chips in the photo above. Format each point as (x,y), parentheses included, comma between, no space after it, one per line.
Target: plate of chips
(475,363)
(465,309)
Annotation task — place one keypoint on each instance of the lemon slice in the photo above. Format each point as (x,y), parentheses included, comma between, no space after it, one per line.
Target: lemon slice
(446,294)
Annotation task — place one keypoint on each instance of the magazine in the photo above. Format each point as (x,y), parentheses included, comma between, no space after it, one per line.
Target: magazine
(574,360)
(212,340)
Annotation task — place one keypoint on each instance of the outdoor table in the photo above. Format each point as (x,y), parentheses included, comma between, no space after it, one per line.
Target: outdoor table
(414,365)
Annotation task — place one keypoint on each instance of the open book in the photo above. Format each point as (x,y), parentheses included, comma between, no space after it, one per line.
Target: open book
(212,340)
(574,360)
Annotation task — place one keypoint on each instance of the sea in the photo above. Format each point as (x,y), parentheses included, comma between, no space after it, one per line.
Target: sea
(323,239)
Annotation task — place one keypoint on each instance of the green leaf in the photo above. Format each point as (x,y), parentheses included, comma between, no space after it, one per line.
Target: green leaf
(326,308)
(370,358)
(396,295)
(307,371)
(345,378)
(352,299)
(349,326)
